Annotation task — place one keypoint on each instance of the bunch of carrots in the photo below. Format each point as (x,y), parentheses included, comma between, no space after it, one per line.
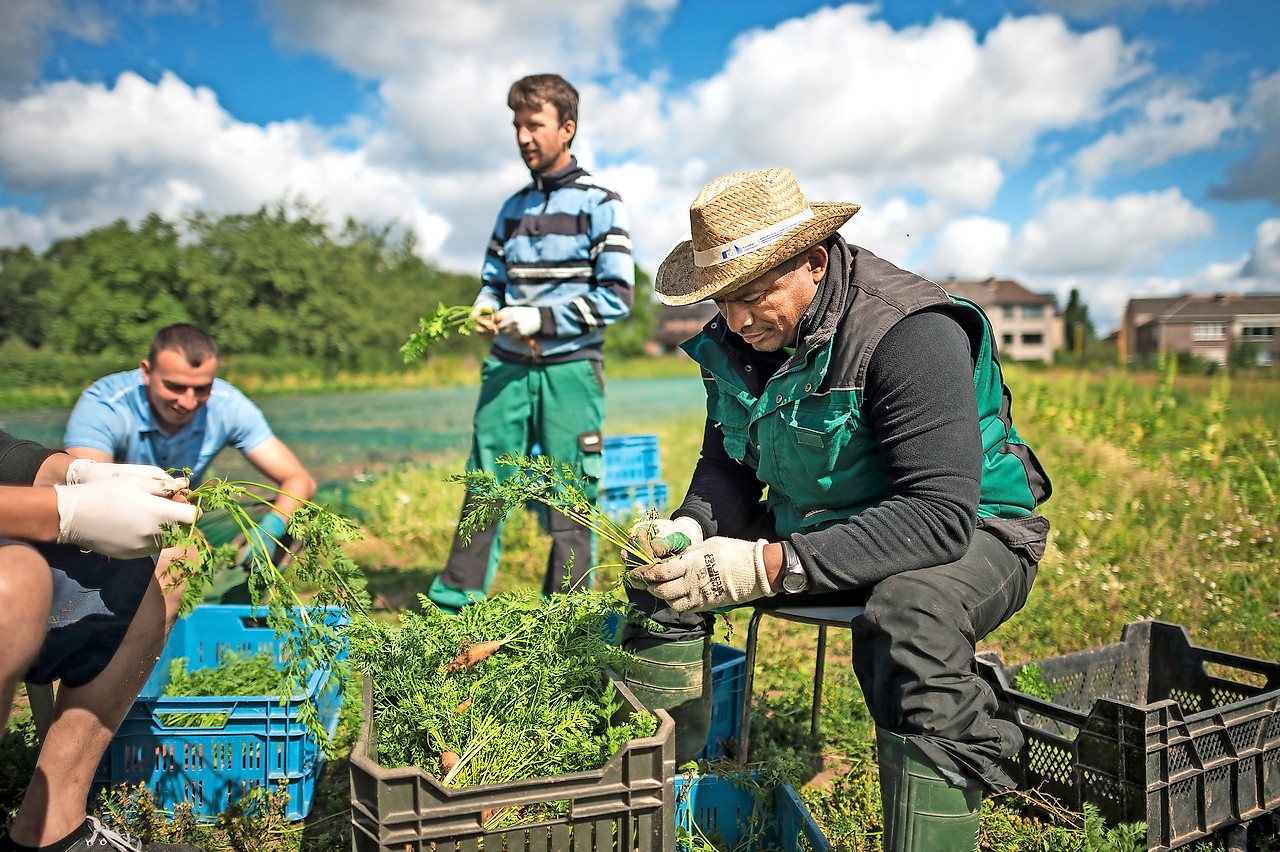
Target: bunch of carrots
(472,709)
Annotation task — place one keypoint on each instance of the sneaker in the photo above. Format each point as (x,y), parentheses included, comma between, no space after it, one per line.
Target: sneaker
(102,837)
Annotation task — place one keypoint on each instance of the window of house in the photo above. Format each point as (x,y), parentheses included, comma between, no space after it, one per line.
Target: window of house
(1209,331)
(1033,311)
(1032,339)
(1258,332)
(1006,340)
(1007,310)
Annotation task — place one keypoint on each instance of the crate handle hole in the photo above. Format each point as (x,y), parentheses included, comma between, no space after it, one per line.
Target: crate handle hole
(1234,674)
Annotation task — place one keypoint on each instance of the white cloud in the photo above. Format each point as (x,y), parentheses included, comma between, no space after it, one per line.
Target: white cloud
(1258,176)
(838,90)
(27,25)
(973,248)
(840,97)
(1105,248)
(1086,234)
(1171,125)
(444,85)
(1263,264)
(170,148)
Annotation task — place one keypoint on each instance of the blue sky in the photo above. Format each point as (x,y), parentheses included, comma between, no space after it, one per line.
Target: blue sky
(1117,147)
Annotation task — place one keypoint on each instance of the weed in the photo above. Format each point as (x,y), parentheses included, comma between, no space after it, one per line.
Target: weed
(1030,679)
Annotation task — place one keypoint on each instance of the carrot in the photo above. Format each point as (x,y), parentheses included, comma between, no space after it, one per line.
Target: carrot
(476,653)
(448,760)
(462,708)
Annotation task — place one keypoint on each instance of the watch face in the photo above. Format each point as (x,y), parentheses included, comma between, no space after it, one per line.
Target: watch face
(793,584)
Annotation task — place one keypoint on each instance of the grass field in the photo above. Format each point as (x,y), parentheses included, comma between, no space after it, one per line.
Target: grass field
(1165,506)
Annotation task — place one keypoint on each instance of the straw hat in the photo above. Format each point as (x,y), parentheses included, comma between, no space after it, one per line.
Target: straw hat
(743,225)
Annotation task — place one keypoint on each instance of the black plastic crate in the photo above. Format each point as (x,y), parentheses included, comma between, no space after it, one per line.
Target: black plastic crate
(627,805)
(1151,729)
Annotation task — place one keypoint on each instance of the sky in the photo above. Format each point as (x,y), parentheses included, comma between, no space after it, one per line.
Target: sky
(1121,148)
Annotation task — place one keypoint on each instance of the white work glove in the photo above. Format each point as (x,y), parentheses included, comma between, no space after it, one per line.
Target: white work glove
(120,517)
(519,321)
(484,314)
(81,471)
(656,536)
(718,572)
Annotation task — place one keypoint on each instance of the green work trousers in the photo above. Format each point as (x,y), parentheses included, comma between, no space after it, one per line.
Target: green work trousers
(560,408)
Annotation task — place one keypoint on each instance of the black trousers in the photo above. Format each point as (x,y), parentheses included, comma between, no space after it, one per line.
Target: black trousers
(913,650)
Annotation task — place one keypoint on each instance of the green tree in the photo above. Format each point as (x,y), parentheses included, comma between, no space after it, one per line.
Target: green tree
(110,289)
(1080,335)
(275,282)
(23,277)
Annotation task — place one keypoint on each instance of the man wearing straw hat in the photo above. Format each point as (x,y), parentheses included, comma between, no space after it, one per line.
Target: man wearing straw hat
(871,405)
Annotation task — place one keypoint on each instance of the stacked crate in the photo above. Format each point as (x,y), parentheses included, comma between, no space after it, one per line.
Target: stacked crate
(632,484)
(1151,729)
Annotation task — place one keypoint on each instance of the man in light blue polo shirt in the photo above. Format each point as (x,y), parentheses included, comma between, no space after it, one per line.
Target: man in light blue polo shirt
(175,413)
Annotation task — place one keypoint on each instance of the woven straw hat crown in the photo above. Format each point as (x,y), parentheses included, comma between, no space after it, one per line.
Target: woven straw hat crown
(742,225)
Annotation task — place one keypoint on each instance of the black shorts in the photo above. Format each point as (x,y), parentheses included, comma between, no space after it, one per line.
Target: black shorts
(95,599)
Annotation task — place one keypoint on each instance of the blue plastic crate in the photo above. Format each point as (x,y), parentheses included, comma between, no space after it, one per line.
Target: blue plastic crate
(630,501)
(728,676)
(712,806)
(261,744)
(630,460)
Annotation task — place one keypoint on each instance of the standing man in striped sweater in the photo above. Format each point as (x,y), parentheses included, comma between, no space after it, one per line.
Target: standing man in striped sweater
(558,269)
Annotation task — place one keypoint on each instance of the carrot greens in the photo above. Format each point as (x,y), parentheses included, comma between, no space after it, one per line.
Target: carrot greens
(446,321)
(536,703)
(312,641)
(541,479)
(234,675)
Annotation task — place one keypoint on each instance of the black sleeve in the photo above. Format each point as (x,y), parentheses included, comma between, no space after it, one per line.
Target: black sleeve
(923,410)
(20,460)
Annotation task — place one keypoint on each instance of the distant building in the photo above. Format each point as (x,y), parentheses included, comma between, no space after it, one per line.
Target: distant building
(1206,326)
(1027,325)
(677,324)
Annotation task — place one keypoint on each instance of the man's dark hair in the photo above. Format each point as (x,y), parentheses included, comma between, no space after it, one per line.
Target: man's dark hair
(191,340)
(537,89)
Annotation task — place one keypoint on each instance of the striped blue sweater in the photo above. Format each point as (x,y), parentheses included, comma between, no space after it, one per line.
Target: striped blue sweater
(561,244)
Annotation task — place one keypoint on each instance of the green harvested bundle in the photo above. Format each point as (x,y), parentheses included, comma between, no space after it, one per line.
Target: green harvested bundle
(235,675)
(513,687)
(445,322)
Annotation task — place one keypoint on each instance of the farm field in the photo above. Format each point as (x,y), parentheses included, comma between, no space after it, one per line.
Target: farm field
(1165,507)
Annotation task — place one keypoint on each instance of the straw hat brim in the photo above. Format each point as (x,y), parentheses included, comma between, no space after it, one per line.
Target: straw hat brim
(681,282)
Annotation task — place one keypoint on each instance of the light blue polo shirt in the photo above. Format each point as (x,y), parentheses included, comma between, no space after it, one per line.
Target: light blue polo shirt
(113,415)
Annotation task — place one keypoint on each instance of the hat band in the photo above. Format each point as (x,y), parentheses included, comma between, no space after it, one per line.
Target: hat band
(757,240)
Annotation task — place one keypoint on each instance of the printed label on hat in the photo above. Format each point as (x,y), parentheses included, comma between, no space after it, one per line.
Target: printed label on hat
(757,240)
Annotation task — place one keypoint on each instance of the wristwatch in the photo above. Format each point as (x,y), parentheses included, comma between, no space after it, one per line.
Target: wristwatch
(794,580)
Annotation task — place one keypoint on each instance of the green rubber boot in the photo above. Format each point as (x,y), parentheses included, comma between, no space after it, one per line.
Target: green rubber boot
(923,812)
(452,600)
(676,676)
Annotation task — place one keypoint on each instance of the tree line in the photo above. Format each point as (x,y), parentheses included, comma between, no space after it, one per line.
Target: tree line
(277,285)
